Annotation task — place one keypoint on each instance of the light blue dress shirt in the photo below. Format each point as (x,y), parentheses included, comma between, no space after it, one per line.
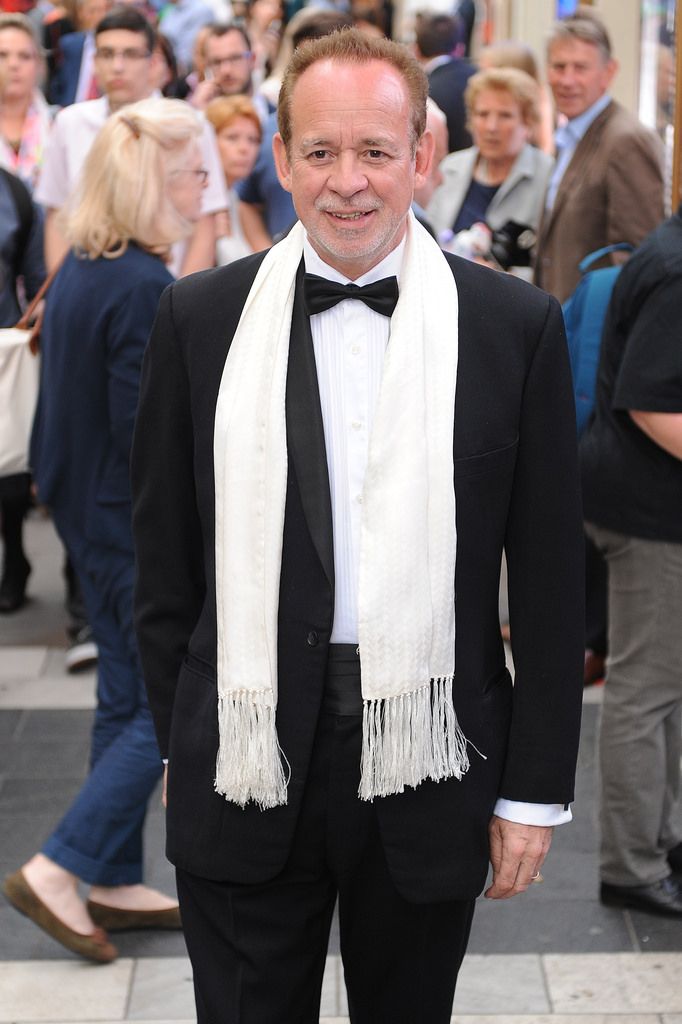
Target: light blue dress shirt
(566,140)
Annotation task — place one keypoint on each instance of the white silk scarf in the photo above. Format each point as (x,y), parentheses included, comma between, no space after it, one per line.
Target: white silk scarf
(408,545)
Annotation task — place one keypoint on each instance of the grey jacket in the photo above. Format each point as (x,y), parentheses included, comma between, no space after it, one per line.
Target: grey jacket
(519,197)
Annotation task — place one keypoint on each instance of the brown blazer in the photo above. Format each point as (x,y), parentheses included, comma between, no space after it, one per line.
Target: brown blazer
(612,191)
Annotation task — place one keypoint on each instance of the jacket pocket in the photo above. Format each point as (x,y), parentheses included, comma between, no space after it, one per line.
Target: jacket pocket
(498,460)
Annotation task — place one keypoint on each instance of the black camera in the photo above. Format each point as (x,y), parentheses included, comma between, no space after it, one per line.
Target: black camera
(512,245)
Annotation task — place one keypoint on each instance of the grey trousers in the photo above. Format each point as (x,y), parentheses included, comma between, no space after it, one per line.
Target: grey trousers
(640,740)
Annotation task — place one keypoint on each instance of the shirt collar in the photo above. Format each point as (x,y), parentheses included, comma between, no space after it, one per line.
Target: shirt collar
(577,126)
(388,267)
(436,62)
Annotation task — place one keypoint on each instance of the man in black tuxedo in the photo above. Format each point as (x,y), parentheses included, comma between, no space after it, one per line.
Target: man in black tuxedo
(437,46)
(272,816)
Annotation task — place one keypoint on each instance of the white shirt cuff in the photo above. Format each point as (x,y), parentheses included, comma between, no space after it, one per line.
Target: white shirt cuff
(533,814)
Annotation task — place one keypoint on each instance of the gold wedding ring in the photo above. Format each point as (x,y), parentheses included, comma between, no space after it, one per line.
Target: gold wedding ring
(537,878)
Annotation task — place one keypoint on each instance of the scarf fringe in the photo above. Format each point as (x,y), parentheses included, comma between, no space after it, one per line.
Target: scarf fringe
(410,738)
(249,764)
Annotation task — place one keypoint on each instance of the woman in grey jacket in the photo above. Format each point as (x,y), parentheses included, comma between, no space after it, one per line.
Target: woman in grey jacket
(502,178)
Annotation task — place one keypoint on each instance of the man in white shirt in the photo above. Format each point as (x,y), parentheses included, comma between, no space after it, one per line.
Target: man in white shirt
(296,574)
(124,61)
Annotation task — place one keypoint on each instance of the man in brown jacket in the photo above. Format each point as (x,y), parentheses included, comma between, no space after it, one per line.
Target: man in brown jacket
(607,187)
(607,184)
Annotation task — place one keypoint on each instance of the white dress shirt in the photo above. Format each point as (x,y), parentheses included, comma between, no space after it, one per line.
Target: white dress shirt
(349,341)
(73,133)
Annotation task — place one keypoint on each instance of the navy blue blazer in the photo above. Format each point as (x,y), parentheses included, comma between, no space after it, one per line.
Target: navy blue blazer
(97,321)
(63,82)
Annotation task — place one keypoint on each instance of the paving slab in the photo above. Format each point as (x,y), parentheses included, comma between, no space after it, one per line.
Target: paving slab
(161,989)
(18,664)
(49,692)
(68,991)
(515,985)
(557,1018)
(621,983)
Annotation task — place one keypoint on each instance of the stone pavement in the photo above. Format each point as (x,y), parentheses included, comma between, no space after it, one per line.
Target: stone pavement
(553,956)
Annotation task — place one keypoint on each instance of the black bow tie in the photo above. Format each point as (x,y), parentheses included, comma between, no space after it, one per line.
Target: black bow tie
(320,294)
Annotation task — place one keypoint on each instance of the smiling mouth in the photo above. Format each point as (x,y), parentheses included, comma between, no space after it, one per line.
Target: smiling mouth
(355,215)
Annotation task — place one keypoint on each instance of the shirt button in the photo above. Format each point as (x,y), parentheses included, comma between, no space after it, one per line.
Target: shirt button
(359,499)
(312,638)
(356,425)
(355,350)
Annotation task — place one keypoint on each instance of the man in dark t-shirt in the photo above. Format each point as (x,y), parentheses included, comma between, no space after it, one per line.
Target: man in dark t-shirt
(631,457)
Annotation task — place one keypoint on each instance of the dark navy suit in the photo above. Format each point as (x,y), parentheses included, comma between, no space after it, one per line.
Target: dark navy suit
(64,79)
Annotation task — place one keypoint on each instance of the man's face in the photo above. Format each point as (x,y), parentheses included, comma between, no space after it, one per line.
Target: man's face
(123,66)
(350,166)
(229,63)
(578,75)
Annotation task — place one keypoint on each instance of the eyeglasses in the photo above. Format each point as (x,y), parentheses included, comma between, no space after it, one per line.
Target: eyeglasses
(236,58)
(107,56)
(200,172)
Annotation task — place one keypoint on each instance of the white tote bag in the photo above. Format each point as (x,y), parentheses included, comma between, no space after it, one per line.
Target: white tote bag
(19,381)
(19,378)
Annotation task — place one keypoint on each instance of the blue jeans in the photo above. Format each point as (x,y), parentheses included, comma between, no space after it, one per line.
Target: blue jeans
(99,838)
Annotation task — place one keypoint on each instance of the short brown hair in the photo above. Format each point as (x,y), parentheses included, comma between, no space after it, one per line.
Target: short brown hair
(585,27)
(520,86)
(223,110)
(350,46)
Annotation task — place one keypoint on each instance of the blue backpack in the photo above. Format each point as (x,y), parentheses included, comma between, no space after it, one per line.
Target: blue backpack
(584,314)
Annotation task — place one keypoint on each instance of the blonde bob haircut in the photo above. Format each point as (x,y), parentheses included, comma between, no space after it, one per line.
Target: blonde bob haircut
(122,196)
(516,83)
(222,111)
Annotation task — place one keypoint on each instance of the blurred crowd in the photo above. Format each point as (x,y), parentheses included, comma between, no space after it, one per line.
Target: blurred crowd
(136,146)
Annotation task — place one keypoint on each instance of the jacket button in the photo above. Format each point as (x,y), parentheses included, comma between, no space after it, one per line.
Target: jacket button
(313,639)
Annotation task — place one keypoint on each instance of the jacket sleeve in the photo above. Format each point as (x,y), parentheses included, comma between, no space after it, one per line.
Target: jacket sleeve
(634,192)
(546,581)
(170,582)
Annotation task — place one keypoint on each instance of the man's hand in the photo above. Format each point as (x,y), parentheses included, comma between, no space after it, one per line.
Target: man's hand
(164,794)
(203,94)
(516,854)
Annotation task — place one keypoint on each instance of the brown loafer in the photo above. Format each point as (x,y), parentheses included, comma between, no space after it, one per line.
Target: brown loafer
(95,946)
(115,919)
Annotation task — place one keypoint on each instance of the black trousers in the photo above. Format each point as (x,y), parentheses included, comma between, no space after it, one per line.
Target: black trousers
(258,951)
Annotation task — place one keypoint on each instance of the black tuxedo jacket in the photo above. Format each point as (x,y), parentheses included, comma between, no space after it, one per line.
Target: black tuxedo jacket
(516,483)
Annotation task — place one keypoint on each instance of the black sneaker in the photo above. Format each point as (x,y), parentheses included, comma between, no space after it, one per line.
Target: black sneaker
(81,653)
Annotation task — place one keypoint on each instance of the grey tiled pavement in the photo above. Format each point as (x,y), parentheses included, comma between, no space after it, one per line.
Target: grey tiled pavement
(549,957)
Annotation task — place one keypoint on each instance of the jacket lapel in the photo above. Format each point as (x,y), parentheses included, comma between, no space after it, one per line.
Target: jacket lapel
(305,433)
(581,161)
